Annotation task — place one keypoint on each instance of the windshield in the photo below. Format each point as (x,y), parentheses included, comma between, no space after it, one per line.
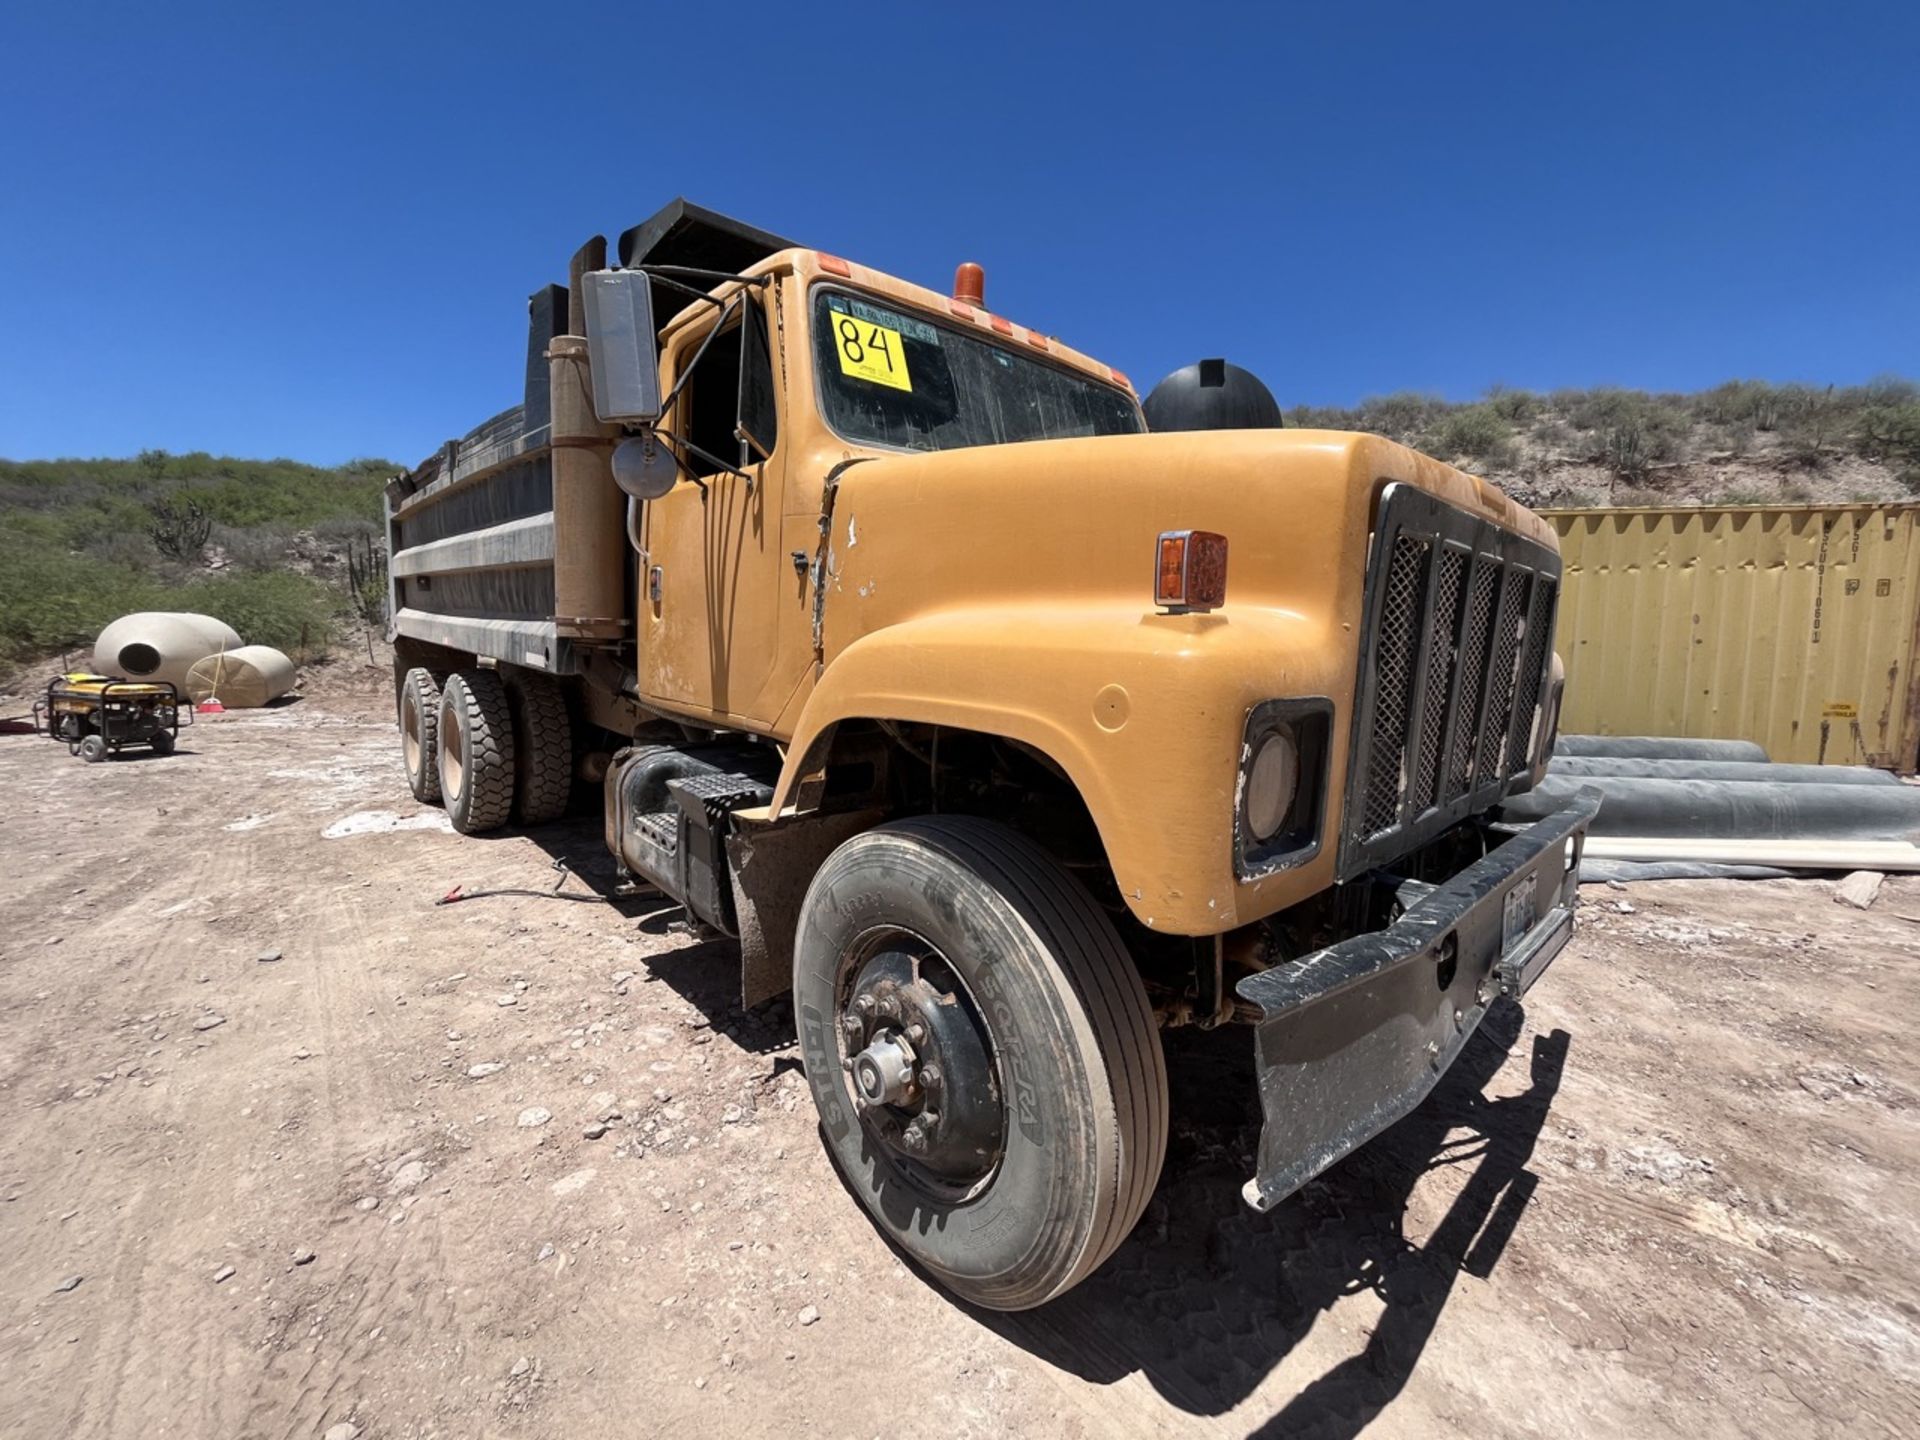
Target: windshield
(890,378)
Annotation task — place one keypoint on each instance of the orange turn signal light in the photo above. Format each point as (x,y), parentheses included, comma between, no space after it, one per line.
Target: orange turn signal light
(1190,570)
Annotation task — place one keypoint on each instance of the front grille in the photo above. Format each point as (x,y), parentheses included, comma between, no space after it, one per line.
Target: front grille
(1458,638)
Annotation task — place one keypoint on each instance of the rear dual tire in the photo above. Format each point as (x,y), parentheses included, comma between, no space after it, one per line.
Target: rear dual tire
(487,747)
(542,749)
(420,733)
(475,748)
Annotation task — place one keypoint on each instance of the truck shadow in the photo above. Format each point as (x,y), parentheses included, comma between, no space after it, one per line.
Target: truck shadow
(703,972)
(1207,1297)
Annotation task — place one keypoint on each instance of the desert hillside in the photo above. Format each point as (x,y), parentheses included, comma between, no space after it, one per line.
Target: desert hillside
(1746,442)
(288,553)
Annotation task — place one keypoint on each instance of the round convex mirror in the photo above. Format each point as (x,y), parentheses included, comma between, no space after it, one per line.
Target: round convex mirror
(643,467)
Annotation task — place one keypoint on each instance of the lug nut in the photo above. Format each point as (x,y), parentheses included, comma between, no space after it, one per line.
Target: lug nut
(863,1004)
(916,1032)
(887,1007)
(915,1139)
(930,1077)
(852,1029)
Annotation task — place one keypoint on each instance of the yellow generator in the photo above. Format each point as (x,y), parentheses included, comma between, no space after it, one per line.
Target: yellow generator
(97,715)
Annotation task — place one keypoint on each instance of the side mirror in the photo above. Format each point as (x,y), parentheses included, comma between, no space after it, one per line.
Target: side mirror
(621,346)
(643,467)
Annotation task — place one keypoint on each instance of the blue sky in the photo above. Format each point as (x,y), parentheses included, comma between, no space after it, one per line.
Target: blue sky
(310,231)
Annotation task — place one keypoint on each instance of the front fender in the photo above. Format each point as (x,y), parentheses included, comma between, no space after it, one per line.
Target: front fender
(1144,712)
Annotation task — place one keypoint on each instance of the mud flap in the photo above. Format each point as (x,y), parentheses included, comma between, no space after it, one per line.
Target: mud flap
(771,866)
(1353,1037)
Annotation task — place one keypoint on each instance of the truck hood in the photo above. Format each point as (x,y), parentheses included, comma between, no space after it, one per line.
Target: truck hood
(1074,521)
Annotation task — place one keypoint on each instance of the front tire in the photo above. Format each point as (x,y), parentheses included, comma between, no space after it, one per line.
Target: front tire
(93,749)
(162,742)
(982,1054)
(476,751)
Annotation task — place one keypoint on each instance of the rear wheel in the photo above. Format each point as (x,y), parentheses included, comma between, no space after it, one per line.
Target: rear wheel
(93,749)
(162,742)
(542,749)
(982,1053)
(420,733)
(475,745)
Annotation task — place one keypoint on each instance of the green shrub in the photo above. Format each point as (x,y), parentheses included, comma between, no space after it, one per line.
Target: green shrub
(1516,407)
(1889,430)
(1472,432)
(1402,416)
(76,552)
(287,611)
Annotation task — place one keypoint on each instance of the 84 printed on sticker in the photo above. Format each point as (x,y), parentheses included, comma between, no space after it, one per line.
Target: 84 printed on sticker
(870,351)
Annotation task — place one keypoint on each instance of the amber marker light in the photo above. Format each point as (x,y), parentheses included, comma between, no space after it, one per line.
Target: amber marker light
(1190,571)
(970,285)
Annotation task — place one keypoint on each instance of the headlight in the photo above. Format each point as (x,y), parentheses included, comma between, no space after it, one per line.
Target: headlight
(1272,779)
(1280,798)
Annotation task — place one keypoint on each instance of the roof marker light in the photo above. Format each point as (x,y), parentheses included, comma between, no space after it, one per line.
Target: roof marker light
(970,285)
(834,265)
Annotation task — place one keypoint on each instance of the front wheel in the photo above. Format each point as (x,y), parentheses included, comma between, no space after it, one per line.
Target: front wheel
(93,749)
(982,1054)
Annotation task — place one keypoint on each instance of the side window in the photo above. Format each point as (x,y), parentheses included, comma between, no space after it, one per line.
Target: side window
(733,386)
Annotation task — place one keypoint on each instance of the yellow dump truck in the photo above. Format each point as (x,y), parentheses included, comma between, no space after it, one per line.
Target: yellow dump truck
(1001,732)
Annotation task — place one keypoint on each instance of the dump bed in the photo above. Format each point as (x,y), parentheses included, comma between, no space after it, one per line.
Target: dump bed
(472,538)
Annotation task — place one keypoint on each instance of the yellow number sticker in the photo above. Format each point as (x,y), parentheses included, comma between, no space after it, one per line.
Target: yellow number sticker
(870,352)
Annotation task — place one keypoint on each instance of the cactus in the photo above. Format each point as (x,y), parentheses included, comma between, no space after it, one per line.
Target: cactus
(367,584)
(180,528)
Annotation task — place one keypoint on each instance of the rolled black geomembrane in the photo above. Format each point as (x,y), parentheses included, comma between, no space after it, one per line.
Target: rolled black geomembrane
(1658,747)
(1736,809)
(1621,768)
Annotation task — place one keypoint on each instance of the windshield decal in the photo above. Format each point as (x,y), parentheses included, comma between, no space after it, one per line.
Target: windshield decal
(893,320)
(870,351)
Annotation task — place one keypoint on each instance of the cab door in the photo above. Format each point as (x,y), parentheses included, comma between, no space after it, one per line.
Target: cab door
(710,578)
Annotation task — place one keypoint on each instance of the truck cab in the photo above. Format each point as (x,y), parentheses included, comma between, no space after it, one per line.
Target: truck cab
(999,731)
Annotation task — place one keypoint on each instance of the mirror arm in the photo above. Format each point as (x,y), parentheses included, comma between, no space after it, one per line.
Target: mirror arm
(693,449)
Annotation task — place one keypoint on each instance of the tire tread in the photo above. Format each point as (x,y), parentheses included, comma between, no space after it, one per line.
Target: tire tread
(1101,974)
(543,750)
(477,699)
(421,688)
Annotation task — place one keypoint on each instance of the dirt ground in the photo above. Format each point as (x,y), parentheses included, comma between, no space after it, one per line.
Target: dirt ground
(361,1188)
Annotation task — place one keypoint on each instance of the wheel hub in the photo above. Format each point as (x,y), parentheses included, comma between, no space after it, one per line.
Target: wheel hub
(883,1072)
(920,1060)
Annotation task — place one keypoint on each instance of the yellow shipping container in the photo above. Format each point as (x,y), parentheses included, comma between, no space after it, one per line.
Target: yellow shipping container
(1797,626)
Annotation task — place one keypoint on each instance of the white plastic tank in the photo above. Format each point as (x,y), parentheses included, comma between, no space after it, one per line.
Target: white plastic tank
(160,645)
(242,679)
